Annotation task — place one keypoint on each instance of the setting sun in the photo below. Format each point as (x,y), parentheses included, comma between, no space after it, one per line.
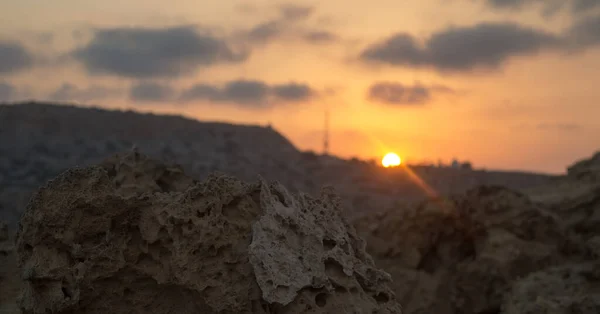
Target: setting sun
(391,160)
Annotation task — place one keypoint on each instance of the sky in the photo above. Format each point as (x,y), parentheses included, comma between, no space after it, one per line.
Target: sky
(504,84)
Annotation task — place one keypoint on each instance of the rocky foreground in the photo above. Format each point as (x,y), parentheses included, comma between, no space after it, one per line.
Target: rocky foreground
(493,250)
(136,236)
(132,235)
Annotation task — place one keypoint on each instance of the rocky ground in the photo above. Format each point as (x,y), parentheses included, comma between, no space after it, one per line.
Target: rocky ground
(39,141)
(135,236)
(122,235)
(494,250)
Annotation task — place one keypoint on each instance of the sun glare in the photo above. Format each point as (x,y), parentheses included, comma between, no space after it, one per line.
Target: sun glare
(391,160)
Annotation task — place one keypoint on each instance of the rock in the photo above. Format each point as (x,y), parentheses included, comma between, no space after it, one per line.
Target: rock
(132,236)
(586,169)
(10,283)
(461,255)
(566,289)
(3,231)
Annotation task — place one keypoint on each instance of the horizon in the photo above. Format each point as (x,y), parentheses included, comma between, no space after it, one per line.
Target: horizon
(377,160)
(505,85)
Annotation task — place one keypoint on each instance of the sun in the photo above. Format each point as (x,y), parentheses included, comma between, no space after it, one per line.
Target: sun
(391,160)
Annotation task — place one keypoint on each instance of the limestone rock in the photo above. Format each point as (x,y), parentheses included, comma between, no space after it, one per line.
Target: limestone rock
(10,283)
(461,255)
(586,169)
(134,236)
(566,289)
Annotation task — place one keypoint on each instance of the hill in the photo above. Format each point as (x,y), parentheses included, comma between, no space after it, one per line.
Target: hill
(40,140)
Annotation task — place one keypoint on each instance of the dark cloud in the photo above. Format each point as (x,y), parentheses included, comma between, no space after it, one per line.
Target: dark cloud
(68,92)
(13,57)
(516,4)
(582,6)
(151,92)
(266,31)
(249,92)
(7,92)
(293,92)
(585,32)
(548,7)
(399,94)
(153,52)
(290,24)
(485,45)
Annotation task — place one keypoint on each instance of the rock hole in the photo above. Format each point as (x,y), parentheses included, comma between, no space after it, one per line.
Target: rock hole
(66,293)
(493,310)
(280,197)
(329,244)
(334,269)
(212,250)
(321,299)
(340,289)
(163,185)
(382,297)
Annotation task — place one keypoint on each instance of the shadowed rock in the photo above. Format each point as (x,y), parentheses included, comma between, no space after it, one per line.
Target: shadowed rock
(132,236)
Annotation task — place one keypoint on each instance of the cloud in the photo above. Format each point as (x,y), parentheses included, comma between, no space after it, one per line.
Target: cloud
(7,92)
(392,93)
(153,52)
(584,33)
(151,92)
(295,12)
(548,7)
(292,92)
(68,92)
(14,57)
(290,24)
(249,92)
(265,31)
(461,49)
(582,6)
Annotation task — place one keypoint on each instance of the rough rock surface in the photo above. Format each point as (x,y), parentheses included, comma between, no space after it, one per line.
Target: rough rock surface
(567,289)
(586,169)
(10,283)
(134,236)
(463,255)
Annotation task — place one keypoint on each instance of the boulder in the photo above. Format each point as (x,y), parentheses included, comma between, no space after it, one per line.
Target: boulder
(566,289)
(135,236)
(462,255)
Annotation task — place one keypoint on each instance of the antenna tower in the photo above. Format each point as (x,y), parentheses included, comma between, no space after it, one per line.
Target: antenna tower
(326,134)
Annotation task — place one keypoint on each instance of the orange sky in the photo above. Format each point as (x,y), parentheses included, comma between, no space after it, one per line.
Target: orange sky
(534,106)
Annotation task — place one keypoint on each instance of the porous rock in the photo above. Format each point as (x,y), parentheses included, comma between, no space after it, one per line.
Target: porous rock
(10,283)
(134,236)
(573,288)
(461,255)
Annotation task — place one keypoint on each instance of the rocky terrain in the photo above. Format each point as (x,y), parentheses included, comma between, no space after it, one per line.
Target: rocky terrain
(132,234)
(39,141)
(136,236)
(114,236)
(494,250)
